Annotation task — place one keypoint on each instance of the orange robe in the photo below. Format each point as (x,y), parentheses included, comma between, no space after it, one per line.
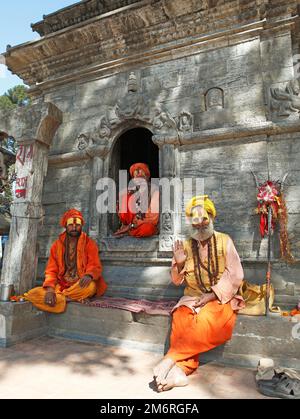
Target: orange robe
(146,227)
(88,263)
(197,331)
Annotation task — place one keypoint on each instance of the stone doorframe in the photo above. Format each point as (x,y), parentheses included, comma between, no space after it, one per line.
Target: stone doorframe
(135,110)
(33,128)
(101,154)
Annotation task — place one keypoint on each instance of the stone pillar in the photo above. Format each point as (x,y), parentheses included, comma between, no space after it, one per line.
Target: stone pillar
(98,154)
(170,220)
(36,130)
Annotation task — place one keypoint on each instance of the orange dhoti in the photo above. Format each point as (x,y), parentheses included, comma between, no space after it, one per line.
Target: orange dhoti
(37,296)
(143,230)
(193,334)
(146,227)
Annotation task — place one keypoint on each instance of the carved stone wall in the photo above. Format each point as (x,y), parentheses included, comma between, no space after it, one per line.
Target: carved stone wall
(216,84)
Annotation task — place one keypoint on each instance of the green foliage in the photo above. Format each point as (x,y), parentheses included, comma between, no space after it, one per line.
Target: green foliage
(17,96)
(6,104)
(6,193)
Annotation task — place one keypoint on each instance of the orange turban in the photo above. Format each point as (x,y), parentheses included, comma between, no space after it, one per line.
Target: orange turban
(72,213)
(142,166)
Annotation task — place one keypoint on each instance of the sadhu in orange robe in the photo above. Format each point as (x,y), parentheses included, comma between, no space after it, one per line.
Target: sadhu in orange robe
(65,279)
(195,331)
(146,224)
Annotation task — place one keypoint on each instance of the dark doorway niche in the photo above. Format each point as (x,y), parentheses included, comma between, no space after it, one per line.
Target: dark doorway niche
(134,146)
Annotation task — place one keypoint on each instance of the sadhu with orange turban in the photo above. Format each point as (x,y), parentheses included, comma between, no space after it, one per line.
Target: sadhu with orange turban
(73,271)
(209,266)
(137,219)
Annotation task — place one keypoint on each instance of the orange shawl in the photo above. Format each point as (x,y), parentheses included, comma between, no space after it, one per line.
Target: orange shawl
(88,262)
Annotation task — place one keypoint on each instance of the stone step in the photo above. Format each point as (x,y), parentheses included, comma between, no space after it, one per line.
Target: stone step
(254,337)
(286,302)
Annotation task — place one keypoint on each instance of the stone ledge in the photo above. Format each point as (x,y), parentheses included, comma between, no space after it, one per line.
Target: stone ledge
(253,337)
(20,322)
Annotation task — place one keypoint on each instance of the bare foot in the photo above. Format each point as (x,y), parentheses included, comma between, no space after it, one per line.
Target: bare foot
(162,369)
(175,378)
(122,231)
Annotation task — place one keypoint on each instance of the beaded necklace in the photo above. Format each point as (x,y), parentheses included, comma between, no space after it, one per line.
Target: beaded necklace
(212,267)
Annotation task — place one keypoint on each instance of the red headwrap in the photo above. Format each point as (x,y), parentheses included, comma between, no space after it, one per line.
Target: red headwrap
(142,166)
(72,213)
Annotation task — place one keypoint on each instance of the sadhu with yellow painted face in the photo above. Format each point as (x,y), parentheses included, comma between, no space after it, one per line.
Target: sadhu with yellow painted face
(73,271)
(209,266)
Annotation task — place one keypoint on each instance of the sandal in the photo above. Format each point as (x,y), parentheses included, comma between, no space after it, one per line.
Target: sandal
(281,385)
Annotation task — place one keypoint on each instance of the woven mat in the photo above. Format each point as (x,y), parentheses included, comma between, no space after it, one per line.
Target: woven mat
(161,307)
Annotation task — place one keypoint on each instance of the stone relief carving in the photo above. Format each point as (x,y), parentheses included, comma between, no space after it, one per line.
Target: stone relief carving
(167,222)
(214,99)
(112,117)
(132,83)
(185,122)
(163,122)
(285,102)
(166,243)
(82,142)
(104,128)
(135,104)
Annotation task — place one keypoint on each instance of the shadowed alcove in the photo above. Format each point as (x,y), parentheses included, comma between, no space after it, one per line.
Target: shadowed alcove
(133,146)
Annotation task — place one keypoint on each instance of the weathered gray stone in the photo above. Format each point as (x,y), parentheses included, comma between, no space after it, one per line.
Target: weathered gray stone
(20,322)
(177,54)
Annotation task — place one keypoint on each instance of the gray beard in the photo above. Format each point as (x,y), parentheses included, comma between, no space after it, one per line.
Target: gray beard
(202,234)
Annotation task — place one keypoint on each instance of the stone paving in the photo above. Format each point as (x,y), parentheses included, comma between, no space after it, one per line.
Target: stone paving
(62,369)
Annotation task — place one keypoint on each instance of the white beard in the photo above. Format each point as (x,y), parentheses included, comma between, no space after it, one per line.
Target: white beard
(202,234)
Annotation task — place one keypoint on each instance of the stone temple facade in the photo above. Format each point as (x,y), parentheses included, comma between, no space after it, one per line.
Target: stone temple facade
(197,89)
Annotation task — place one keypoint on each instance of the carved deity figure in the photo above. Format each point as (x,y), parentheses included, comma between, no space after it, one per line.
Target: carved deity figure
(214,99)
(163,120)
(185,122)
(285,101)
(82,142)
(167,222)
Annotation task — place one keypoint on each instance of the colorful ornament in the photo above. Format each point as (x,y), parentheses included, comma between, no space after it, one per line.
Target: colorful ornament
(270,197)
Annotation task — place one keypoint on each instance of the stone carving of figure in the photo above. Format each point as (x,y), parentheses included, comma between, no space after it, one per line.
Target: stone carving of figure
(82,142)
(104,129)
(130,105)
(112,117)
(167,222)
(185,122)
(132,83)
(285,101)
(163,121)
(214,99)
